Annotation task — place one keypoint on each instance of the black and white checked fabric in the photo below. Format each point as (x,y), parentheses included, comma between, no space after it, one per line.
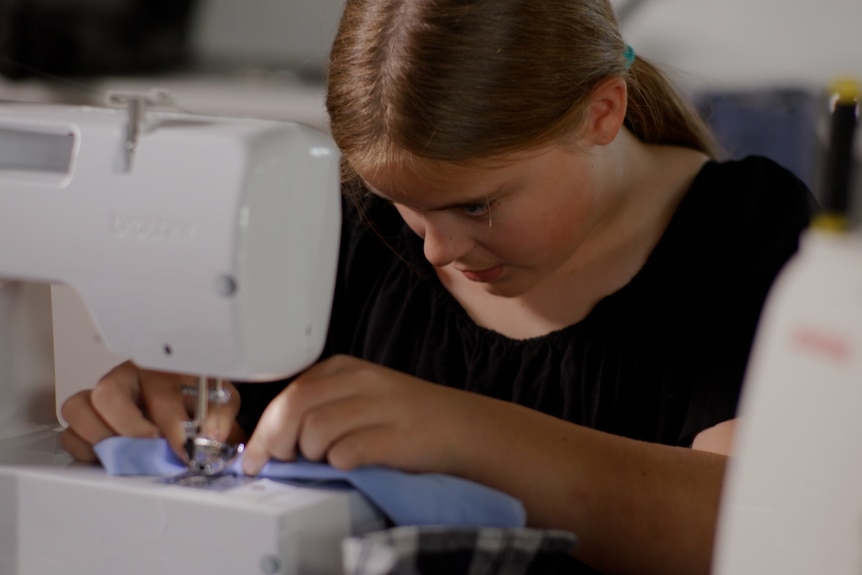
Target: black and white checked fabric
(453,551)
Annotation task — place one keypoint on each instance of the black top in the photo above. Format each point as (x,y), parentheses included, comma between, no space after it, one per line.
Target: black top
(659,360)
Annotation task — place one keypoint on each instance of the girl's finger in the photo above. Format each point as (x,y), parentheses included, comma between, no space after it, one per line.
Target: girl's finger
(83,419)
(115,399)
(163,401)
(80,449)
(326,424)
(368,446)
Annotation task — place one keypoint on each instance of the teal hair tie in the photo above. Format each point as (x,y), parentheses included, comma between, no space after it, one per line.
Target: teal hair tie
(629,55)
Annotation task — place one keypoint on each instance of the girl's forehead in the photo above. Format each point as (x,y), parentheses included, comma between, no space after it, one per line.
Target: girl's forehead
(441,181)
(412,173)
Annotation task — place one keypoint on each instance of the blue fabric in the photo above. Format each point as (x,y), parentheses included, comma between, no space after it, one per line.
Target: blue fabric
(406,498)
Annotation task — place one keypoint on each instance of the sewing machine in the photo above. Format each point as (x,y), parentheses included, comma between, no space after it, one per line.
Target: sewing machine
(793,496)
(190,244)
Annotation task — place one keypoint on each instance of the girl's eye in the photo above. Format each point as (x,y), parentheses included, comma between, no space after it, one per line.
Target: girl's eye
(476,210)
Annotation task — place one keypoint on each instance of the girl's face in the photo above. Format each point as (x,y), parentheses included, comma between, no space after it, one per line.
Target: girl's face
(507,228)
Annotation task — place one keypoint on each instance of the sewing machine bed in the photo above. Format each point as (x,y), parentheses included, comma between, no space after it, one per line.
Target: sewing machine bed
(59,516)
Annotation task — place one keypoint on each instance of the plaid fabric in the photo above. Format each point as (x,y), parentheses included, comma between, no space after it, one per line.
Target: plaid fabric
(482,551)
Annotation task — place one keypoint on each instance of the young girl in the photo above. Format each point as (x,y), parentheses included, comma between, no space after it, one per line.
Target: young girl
(548,284)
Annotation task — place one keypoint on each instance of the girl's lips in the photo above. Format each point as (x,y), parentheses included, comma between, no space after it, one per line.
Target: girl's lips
(484,276)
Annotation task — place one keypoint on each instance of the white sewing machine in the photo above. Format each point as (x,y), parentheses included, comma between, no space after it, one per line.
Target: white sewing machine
(793,497)
(189,244)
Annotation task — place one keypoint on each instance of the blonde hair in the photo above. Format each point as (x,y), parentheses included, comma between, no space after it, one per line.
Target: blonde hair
(457,81)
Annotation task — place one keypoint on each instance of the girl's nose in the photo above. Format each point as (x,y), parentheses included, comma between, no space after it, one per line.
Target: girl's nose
(443,243)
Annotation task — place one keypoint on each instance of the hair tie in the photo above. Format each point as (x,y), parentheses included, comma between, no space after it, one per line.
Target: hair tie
(629,55)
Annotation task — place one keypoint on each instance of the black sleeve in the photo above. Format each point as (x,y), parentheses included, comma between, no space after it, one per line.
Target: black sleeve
(755,237)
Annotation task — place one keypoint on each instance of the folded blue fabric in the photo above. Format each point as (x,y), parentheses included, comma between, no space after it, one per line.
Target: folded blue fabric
(406,498)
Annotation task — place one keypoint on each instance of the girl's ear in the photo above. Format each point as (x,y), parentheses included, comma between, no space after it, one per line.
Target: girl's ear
(606,111)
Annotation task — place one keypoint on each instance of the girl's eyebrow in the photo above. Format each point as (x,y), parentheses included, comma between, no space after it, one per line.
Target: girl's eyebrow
(480,199)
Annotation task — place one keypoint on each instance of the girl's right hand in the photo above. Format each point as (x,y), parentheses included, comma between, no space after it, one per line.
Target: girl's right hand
(132,402)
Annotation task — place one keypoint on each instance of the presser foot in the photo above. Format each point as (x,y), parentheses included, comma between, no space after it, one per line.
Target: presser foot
(209,456)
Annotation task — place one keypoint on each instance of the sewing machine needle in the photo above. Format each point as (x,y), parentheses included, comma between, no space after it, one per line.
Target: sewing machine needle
(202,403)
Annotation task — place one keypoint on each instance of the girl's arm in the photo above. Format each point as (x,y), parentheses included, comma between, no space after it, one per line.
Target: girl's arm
(636,507)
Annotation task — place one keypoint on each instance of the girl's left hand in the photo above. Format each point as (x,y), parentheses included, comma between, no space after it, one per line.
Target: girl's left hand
(352,412)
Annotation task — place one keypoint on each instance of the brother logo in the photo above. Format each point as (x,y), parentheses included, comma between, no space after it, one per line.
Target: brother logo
(152,228)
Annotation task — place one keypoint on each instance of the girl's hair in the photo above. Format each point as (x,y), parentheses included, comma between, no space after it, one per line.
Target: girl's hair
(459,81)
